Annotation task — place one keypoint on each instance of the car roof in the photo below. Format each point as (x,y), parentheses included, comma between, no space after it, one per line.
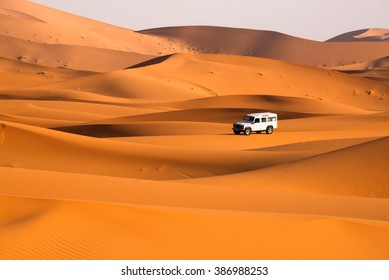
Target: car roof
(260,114)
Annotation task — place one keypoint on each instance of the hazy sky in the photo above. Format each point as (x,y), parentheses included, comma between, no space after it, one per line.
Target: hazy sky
(311,19)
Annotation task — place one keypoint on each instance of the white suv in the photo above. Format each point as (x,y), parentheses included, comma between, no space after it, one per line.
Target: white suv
(256,123)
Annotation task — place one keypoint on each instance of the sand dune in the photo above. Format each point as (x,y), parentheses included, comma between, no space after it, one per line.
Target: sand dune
(376,70)
(381,63)
(219,75)
(37,34)
(268,44)
(68,56)
(185,76)
(376,64)
(327,173)
(364,35)
(134,157)
(224,203)
(29,21)
(17,74)
(115,221)
(77,154)
(19,67)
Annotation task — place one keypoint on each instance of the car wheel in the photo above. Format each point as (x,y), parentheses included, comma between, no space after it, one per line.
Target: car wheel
(236,132)
(247,131)
(269,130)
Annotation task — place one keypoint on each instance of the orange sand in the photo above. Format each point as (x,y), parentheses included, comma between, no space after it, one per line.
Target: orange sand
(139,161)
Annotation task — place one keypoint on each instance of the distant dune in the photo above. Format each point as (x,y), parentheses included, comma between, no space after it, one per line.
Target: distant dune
(49,37)
(381,63)
(270,44)
(363,35)
(118,145)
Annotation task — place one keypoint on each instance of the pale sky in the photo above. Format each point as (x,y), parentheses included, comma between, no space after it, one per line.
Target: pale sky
(311,19)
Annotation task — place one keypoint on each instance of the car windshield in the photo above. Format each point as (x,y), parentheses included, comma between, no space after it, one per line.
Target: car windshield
(248,118)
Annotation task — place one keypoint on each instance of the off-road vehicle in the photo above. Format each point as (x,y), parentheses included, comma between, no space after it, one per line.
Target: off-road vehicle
(257,122)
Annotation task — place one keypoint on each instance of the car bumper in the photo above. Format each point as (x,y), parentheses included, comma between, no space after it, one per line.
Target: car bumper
(238,129)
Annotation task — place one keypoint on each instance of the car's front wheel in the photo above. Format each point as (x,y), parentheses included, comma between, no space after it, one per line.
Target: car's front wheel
(247,131)
(236,132)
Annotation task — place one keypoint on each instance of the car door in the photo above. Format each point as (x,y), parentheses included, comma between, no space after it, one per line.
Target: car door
(263,124)
(257,124)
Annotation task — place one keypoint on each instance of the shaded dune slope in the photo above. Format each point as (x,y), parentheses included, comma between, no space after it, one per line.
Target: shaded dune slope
(268,44)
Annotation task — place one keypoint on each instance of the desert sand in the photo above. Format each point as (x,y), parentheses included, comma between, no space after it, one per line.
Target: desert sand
(135,159)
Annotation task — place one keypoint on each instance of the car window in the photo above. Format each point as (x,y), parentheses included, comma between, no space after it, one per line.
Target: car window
(256,120)
(248,118)
(263,120)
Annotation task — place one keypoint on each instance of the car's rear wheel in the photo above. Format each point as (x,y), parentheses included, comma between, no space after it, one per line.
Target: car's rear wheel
(247,131)
(269,130)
